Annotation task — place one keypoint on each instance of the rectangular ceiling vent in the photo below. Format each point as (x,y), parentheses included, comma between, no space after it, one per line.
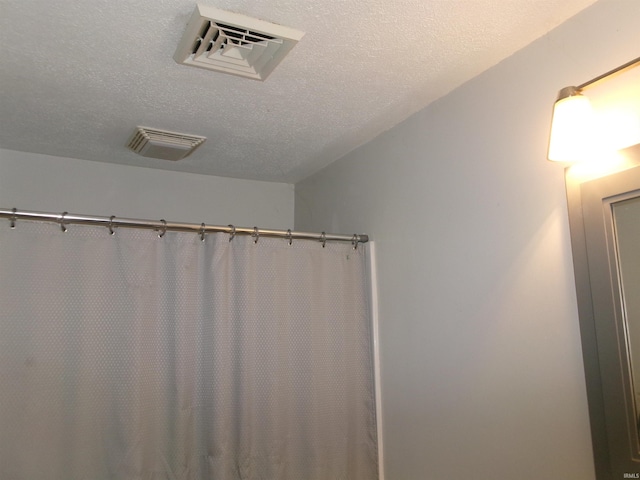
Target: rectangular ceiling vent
(154,143)
(232,43)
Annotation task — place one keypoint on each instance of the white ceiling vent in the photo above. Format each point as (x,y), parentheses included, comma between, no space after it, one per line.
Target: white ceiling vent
(233,43)
(154,143)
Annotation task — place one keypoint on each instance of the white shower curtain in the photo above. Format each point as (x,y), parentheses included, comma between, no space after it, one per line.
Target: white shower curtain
(137,357)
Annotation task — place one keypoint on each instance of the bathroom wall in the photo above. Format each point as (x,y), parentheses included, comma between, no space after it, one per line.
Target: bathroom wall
(53,184)
(481,359)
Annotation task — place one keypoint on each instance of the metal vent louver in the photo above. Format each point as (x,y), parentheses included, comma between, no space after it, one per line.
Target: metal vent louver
(154,143)
(232,43)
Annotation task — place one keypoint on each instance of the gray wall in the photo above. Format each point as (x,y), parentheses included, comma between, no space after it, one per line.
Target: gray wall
(45,183)
(480,350)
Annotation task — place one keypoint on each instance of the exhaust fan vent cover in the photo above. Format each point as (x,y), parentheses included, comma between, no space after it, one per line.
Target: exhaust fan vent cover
(154,143)
(232,43)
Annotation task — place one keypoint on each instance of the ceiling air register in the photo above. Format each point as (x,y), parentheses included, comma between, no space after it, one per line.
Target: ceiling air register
(154,143)
(232,43)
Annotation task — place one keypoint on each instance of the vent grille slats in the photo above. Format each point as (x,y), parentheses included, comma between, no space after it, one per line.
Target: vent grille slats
(233,43)
(155,143)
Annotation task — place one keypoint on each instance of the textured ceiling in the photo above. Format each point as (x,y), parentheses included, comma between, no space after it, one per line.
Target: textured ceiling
(77,77)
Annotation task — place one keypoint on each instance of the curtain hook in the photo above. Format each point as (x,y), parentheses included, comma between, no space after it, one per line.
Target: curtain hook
(323,239)
(62,225)
(111,230)
(164,228)
(289,236)
(354,241)
(13,217)
(255,235)
(232,233)
(202,227)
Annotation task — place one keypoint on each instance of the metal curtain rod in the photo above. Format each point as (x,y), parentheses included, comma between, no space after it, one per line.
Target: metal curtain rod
(162,226)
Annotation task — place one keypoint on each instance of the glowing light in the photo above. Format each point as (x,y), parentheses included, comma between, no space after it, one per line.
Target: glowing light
(573,131)
(619,128)
(580,133)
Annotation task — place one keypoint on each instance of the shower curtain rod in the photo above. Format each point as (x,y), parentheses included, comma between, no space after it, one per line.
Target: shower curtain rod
(163,226)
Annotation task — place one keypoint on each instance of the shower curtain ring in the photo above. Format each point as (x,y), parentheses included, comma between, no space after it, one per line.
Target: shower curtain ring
(13,218)
(323,239)
(111,230)
(255,235)
(354,241)
(62,225)
(164,228)
(202,227)
(232,233)
(289,236)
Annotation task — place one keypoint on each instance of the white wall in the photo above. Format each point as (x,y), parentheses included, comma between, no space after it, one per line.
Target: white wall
(54,184)
(480,348)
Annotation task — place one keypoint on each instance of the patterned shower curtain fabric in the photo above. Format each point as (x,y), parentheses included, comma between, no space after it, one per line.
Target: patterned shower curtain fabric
(130,356)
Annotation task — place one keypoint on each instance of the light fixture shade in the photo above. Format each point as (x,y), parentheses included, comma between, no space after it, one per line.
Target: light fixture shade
(572,129)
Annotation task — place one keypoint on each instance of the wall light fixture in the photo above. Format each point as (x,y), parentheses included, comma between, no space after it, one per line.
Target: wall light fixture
(574,131)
